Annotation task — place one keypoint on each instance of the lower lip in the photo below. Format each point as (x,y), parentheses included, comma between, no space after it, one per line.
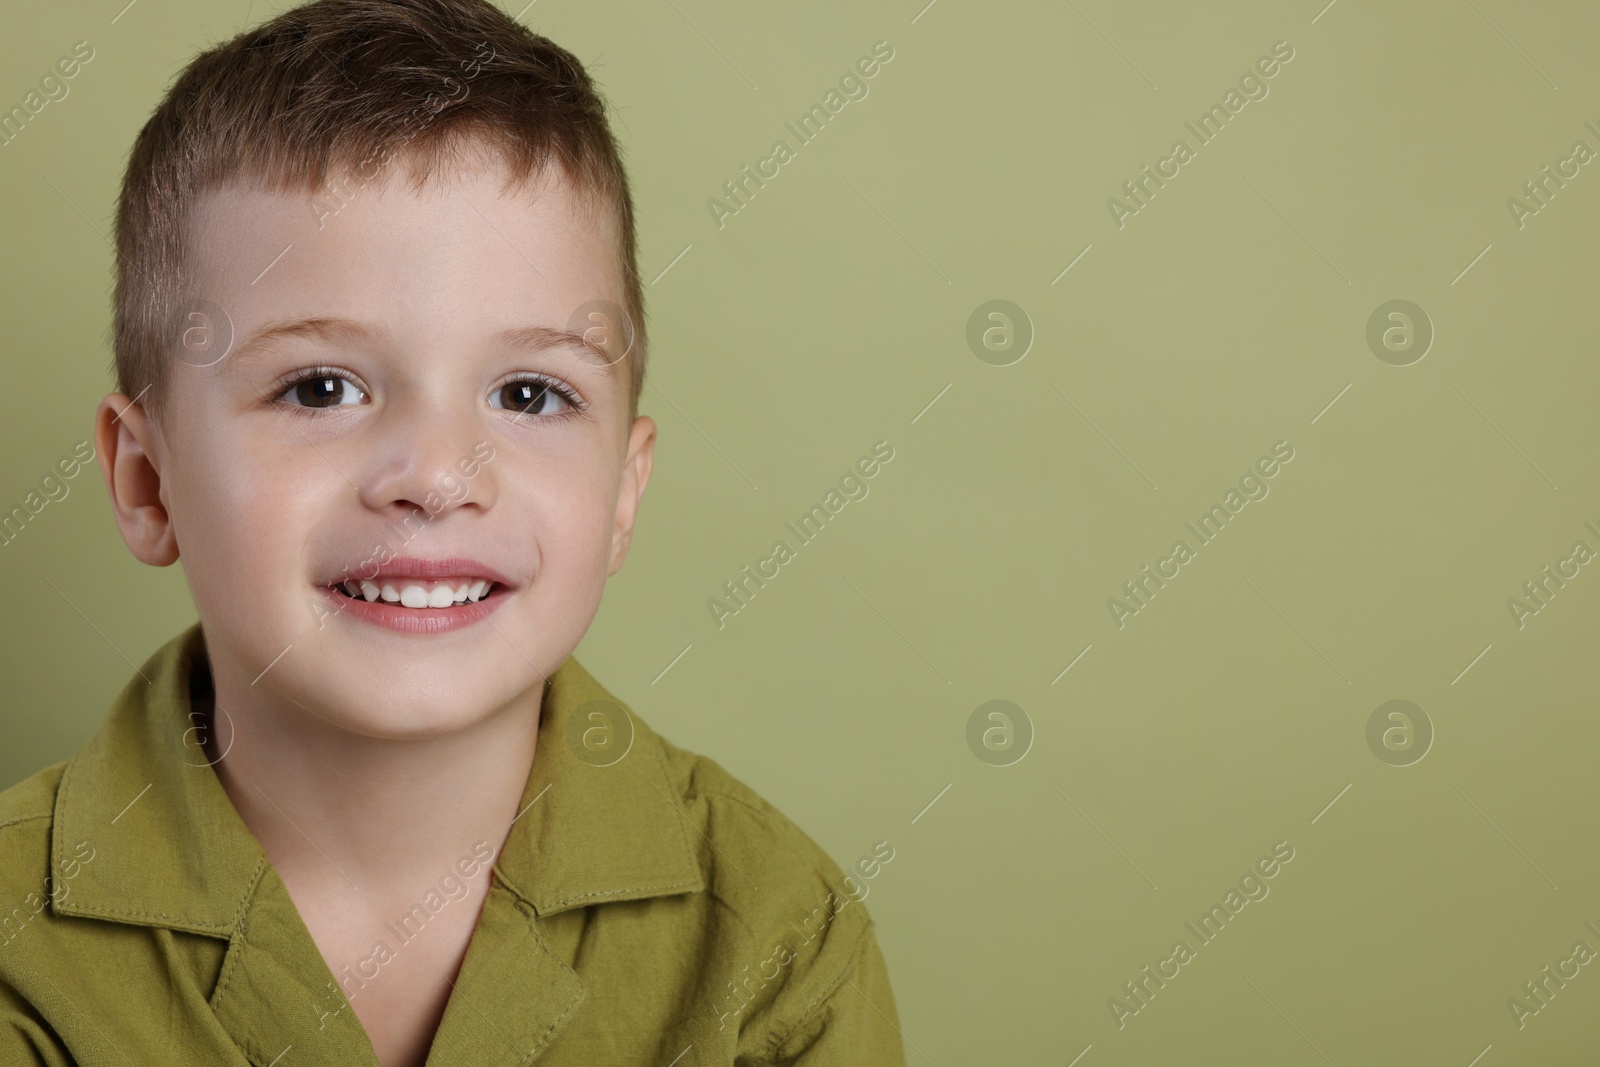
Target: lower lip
(415,620)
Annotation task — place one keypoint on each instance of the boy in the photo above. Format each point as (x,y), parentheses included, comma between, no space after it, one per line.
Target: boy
(379,344)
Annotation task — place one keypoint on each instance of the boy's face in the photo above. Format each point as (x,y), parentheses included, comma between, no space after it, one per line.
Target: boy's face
(422,435)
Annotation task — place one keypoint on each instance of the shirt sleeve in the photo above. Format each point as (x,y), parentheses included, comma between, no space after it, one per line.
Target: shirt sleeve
(26,1040)
(854,1025)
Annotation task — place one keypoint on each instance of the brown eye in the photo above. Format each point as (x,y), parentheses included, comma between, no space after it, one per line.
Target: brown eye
(528,397)
(323,391)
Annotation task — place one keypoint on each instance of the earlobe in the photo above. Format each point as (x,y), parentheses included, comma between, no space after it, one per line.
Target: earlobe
(635,476)
(126,450)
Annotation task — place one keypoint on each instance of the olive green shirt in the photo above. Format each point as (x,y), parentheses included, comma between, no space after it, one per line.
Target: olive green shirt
(647,908)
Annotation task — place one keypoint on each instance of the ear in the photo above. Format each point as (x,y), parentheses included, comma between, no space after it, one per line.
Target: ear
(128,451)
(635,476)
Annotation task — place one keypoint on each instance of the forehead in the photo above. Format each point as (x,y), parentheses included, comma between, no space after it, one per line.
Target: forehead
(461,256)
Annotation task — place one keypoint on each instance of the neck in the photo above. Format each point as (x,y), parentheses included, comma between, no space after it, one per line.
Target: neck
(358,817)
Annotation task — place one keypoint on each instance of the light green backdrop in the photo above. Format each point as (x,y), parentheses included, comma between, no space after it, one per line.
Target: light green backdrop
(1229,313)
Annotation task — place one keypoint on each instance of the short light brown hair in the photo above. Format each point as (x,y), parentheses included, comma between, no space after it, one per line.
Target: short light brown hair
(325,93)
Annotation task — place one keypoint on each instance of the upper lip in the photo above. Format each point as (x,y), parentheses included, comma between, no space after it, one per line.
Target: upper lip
(403,567)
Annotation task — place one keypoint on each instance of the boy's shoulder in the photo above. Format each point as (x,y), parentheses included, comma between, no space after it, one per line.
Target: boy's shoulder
(747,826)
(27,816)
(796,949)
(27,822)
(742,840)
(31,800)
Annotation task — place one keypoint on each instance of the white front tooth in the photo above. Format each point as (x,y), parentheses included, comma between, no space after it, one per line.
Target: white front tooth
(369,590)
(351,587)
(462,591)
(414,596)
(441,597)
(389,593)
(479,588)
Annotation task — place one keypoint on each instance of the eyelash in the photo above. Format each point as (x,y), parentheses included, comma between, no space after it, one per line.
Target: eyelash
(576,405)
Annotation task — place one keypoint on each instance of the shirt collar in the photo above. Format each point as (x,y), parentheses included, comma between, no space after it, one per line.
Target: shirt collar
(171,851)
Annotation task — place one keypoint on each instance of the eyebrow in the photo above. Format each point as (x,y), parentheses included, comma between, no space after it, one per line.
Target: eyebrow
(335,330)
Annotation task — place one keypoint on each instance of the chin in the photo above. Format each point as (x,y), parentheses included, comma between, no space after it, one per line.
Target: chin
(407,719)
(403,707)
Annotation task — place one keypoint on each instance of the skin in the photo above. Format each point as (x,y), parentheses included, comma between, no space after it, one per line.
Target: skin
(368,762)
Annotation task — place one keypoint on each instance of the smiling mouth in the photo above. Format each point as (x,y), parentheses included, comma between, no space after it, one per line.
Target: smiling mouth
(412,593)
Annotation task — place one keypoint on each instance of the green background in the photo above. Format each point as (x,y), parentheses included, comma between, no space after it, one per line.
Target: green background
(1227,315)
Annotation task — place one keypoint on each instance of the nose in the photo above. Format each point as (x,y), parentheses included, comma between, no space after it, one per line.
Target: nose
(431,457)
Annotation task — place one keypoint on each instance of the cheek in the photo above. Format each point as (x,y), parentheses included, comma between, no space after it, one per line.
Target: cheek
(577,516)
(568,508)
(241,517)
